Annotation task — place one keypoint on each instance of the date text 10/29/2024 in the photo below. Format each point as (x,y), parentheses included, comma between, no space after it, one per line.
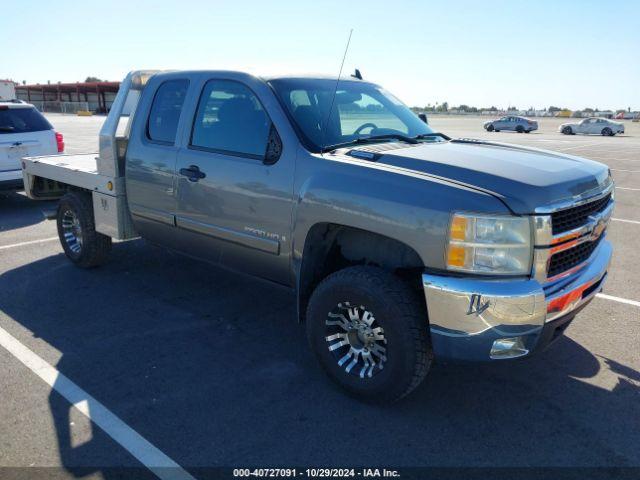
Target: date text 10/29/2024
(316,473)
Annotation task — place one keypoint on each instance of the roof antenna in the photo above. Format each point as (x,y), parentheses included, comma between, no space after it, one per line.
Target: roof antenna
(335,90)
(357,74)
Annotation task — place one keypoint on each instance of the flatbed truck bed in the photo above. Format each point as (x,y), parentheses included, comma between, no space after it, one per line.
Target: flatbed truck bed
(102,174)
(78,170)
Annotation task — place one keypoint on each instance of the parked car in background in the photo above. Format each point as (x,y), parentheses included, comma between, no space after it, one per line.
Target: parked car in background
(594,125)
(23,132)
(512,123)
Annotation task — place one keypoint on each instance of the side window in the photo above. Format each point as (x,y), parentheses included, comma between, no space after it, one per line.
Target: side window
(162,124)
(230,119)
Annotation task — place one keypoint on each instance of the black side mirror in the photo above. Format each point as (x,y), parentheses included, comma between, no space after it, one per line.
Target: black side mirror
(274,147)
(423,117)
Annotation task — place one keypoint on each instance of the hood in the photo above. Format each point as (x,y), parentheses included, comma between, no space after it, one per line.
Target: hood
(523,178)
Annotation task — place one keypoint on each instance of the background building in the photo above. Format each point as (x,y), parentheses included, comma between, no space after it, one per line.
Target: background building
(70,97)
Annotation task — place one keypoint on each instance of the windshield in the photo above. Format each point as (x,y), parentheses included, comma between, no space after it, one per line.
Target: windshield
(360,111)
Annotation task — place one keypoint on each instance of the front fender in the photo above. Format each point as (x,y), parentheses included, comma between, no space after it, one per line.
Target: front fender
(411,208)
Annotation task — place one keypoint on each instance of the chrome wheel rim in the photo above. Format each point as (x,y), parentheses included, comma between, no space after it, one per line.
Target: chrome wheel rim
(72,231)
(356,340)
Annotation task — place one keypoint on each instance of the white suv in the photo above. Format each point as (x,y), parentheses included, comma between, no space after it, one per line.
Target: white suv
(24,132)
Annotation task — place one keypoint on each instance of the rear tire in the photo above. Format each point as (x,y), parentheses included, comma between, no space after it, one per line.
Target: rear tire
(361,315)
(76,229)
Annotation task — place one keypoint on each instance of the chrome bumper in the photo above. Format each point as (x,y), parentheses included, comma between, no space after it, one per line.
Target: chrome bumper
(467,315)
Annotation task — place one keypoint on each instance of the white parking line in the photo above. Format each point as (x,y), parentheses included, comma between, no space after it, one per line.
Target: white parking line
(32,242)
(129,439)
(626,188)
(618,299)
(625,221)
(620,170)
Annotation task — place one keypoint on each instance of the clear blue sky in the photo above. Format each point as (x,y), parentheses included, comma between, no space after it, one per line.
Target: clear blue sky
(570,53)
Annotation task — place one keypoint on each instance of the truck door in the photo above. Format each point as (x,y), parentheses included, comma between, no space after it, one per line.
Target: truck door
(232,198)
(150,166)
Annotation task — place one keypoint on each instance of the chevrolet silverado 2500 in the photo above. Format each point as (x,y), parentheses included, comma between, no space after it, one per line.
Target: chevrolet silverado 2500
(402,245)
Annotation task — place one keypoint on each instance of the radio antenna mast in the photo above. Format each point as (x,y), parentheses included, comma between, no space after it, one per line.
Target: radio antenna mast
(335,90)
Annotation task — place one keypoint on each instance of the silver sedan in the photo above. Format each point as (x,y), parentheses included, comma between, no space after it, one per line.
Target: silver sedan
(595,126)
(511,122)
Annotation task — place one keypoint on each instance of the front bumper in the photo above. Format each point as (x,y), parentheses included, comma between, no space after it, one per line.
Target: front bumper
(467,315)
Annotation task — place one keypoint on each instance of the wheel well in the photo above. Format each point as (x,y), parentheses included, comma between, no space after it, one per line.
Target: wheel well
(330,247)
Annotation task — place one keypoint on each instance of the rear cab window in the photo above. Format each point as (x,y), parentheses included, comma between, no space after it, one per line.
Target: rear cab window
(22,120)
(164,115)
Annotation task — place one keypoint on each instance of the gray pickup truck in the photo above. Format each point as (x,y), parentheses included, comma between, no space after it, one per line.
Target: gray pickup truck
(402,245)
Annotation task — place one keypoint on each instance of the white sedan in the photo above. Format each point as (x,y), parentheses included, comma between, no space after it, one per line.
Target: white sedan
(596,126)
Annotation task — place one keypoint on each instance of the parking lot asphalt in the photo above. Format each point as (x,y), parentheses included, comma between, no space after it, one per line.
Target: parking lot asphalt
(212,368)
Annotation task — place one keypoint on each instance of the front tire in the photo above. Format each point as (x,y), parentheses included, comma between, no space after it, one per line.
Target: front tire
(77,232)
(368,329)
(607,132)
(567,131)
(520,129)
(490,128)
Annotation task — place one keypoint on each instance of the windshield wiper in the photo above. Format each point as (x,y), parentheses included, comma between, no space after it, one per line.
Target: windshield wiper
(372,139)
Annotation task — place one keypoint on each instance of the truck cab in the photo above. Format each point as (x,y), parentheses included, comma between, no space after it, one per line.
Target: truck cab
(210,165)
(402,245)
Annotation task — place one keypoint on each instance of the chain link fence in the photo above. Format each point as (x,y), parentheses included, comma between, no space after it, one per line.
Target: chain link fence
(60,107)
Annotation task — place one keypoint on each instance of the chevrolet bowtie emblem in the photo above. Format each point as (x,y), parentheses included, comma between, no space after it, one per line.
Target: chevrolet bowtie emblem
(599,224)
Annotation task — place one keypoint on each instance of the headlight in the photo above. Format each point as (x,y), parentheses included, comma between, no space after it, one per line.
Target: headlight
(489,244)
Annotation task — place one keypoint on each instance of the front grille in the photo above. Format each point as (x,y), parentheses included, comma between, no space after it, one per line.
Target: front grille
(574,217)
(567,259)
